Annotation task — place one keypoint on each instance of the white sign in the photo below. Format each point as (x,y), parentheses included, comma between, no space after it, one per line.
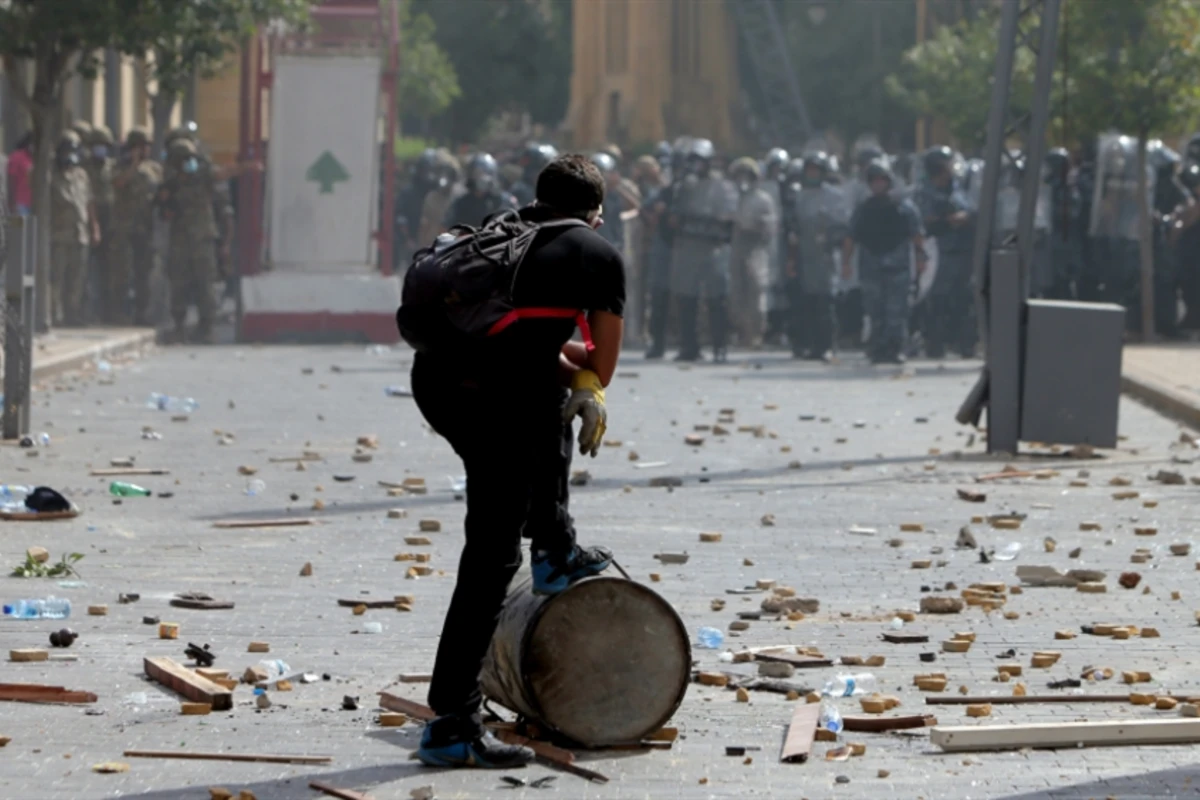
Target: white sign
(323,163)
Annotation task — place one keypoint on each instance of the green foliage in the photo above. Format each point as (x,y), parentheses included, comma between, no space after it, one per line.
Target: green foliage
(408,148)
(32,568)
(1133,67)
(509,56)
(189,37)
(428,80)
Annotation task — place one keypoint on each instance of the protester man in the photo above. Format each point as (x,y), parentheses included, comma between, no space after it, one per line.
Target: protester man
(505,410)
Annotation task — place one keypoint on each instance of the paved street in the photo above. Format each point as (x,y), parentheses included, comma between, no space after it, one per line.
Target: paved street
(877,448)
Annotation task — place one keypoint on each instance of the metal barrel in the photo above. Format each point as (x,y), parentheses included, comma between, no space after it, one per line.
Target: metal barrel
(605,662)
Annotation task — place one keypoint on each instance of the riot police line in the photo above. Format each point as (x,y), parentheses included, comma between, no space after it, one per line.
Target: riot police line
(793,252)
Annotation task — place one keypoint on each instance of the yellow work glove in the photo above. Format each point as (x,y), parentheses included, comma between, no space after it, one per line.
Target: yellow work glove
(587,403)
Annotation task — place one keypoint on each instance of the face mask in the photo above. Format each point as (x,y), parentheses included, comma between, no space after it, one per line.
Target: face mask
(100,151)
(68,158)
(191,165)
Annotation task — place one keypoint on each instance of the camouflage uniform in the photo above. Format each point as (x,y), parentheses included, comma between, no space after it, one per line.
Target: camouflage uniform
(188,197)
(132,246)
(70,202)
(100,169)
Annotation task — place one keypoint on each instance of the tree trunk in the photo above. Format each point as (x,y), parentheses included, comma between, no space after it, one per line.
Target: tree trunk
(162,104)
(1146,243)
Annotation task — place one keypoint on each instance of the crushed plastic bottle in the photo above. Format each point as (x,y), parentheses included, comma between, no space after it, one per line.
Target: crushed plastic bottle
(1008,552)
(276,669)
(831,718)
(176,405)
(48,608)
(122,489)
(710,638)
(847,685)
(255,487)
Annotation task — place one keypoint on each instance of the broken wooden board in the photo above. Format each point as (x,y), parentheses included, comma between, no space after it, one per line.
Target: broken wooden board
(905,638)
(390,603)
(344,794)
(201,601)
(258,757)
(265,523)
(38,516)
(795,659)
(113,473)
(40,693)
(1055,735)
(556,756)
(883,724)
(967,700)
(194,687)
(801,732)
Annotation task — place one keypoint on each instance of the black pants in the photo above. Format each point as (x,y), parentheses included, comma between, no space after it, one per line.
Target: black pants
(517,454)
(810,321)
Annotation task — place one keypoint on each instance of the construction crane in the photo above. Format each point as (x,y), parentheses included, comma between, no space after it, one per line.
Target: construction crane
(761,32)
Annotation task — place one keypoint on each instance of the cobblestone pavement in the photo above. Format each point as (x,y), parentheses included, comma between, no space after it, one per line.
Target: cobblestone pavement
(877,448)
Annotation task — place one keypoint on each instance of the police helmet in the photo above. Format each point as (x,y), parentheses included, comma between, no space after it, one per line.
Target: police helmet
(70,138)
(137,137)
(1162,158)
(1193,147)
(180,148)
(937,160)
(776,160)
(662,151)
(879,169)
(177,133)
(83,128)
(1189,176)
(865,155)
(604,162)
(1058,164)
(702,149)
(101,136)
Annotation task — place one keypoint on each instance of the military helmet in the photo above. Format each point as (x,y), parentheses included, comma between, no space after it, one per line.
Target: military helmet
(448,163)
(937,159)
(1189,176)
(604,162)
(614,151)
(878,169)
(745,166)
(137,137)
(83,128)
(181,147)
(179,132)
(70,138)
(100,135)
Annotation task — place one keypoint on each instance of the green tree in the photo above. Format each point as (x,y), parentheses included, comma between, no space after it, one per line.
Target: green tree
(185,39)
(1135,68)
(42,44)
(428,80)
(511,56)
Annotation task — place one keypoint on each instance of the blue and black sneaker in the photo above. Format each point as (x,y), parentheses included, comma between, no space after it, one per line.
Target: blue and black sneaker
(484,751)
(552,574)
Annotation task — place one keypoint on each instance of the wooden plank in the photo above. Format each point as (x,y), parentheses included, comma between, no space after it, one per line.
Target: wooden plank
(187,683)
(39,693)
(38,516)
(344,794)
(801,732)
(905,638)
(265,523)
(112,473)
(350,603)
(1054,735)
(795,659)
(882,724)
(258,757)
(548,753)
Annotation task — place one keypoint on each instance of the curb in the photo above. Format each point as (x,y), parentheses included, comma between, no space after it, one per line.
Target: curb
(66,362)
(1162,398)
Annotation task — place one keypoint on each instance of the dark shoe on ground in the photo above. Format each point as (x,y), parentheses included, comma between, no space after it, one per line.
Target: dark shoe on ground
(482,750)
(552,574)
(655,352)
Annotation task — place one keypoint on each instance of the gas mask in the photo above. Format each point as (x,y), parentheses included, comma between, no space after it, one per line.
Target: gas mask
(67,157)
(482,181)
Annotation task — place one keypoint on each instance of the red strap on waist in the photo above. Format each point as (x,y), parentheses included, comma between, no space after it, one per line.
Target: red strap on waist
(546,313)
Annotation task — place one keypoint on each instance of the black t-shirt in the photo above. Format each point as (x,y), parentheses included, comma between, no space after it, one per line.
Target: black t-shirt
(565,267)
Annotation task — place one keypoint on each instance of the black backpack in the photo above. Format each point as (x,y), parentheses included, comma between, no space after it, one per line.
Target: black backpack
(458,294)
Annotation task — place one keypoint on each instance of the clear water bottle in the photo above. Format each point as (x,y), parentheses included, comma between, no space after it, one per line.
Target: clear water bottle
(831,718)
(710,638)
(176,405)
(49,608)
(846,685)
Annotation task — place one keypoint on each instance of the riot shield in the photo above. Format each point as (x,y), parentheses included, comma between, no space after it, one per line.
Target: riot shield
(821,223)
(1115,206)
(925,279)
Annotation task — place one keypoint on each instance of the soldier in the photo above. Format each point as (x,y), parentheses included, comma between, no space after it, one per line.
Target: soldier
(775,183)
(817,229)
(701,217)
(755,232)
(100,164)
(885,229)
(946,215)
(132,249)
(448,188)
(188,199)
(73,227)
(483,196)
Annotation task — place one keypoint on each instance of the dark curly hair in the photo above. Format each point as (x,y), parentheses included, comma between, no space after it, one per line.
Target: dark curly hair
(571,184)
